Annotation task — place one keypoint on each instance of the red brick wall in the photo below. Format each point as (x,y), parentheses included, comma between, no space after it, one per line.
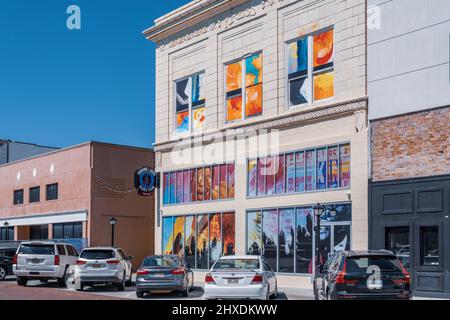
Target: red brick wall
(414,145)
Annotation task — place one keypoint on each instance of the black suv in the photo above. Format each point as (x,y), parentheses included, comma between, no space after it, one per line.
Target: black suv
(6,257)
(362,275)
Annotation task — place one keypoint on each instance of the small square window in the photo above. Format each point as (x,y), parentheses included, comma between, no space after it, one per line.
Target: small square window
(35,194)
(18,197)
(52,191)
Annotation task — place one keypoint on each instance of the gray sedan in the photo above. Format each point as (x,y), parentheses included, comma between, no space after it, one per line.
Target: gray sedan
(164,273)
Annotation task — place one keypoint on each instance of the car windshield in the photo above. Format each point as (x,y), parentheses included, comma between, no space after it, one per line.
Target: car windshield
(160,262)
(245,264)
(360,264)
(97,254)
(44,249)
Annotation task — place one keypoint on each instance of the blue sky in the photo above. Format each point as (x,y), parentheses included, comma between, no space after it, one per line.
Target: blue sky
(62,87)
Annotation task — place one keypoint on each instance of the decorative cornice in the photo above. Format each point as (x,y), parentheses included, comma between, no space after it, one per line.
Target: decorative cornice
(297,118)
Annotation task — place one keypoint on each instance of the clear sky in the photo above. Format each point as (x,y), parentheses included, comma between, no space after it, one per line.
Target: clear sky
(61,87)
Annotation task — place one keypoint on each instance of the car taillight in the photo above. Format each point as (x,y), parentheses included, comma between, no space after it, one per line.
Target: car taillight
(14,260)
(209,278)
(56,263)
(406,275)
(141,272)
(340,278)
(113,262)
(81,262)
(257,279)
(177,271)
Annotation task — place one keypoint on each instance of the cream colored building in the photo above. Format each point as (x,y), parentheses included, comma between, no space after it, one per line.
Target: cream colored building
(293,71)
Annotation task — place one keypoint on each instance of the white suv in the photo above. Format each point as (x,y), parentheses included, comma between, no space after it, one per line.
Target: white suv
(43,260)
(103,266)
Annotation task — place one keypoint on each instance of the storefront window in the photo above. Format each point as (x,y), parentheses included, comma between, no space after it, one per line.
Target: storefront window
(202,242)
(321,180)
(230,180)
(270,176)
(200,184)
(344,171)
(223,182)
(186,186)
(286,241)
(310,170)
(300,171)
(287,236)
(304,238)
(215,183)
(215,238)
(279,175)
(178,235)
(208,182)
(397,241)
(333,167)
(179,187)
(190,102)
(290,172)
(270,237)
(252,177)
(228,228)
(254,232)
(167,231)
(189,246)
(166,187)
(429,246)
(261,178)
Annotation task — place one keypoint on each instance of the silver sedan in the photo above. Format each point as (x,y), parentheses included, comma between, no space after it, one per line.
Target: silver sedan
(241,277)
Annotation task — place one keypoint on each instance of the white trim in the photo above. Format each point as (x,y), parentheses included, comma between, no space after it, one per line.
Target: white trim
(59,217)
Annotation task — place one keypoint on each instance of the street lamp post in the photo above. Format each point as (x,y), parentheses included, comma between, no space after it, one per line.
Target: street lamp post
(6,224)
(112,222)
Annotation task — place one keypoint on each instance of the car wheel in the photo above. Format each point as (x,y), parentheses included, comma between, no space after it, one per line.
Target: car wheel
(80,287)
(62,282)
(192,284)
(43,280)
(275,294)
(129,282)
(185,292)
(3,273)
(121,286)
(140,294)
(268,293)
(22,281)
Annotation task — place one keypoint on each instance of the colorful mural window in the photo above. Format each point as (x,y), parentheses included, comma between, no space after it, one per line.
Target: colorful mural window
(285,236)
(199,184)
(305,170)
(201,239)
(244,101)
(190,102)
(310,63)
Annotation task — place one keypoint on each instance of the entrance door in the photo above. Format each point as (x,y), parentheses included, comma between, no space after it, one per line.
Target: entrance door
(334,237)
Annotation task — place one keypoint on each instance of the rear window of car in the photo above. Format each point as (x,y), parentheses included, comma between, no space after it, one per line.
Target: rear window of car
(359,264)
(97,254)
(246,264)
(44,249)
(160,262)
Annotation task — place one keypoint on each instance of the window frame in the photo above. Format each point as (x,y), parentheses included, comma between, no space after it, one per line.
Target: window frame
(53,192)
(191,108)
(15,193)
(311,73)
(243,89)
(30,194)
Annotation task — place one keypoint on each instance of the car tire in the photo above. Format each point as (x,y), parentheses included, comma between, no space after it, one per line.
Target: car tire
(268,293)
(62,282)
(140,294)
(129,282)
(43,280)
(22,281)
(80,287)
(3,273)
(185,292)
(275,294)
(192,284)
(121,285)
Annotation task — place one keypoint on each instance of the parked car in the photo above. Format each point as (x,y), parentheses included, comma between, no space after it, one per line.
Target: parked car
(43,260)
(103,265)
(164,272)
(354,275)
(6,259)
(241,277)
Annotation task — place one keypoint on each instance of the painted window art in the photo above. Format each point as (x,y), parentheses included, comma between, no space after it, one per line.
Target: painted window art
(202,239)
(310,67)
(244,88)
(190,102)
(199,184)
(300,171)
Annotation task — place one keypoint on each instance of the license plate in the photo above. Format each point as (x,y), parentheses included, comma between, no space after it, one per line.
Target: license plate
(233,281)
(34,273)
(159,275)
(96,266)
(35,261)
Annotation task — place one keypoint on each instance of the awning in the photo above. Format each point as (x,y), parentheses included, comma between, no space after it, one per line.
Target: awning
(60,217)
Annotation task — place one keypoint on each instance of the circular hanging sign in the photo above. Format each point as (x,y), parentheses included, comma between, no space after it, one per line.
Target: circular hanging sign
(145,181)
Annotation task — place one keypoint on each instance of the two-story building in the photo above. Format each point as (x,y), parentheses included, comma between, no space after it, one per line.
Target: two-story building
(261,112)
(72,194)
(409,91)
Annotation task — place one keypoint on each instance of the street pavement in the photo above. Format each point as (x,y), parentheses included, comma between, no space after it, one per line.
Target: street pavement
(36,290)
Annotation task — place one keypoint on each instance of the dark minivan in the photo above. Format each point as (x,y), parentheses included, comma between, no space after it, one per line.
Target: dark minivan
(6,259)
(374,274)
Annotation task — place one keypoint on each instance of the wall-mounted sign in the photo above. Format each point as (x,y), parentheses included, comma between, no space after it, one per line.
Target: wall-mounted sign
(145,181)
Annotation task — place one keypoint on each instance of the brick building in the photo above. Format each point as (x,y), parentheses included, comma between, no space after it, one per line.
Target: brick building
(70,194)
(261,112)
(409,113)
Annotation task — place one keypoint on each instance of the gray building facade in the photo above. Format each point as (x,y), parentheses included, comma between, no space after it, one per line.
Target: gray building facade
(11,151)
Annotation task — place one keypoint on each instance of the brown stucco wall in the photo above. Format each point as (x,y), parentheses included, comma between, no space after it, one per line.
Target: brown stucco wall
(413,145)
(114,167)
